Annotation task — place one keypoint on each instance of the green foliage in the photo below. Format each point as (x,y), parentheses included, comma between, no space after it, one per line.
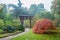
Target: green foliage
(8,22)
(56,10)
(36,17)
(17,26)
(26,23)
(1,8)
(33,8)
(40,7)
(36,8)
(9,29)
(17,9)
(16,23)
(24,10)
(47,15)
(15,12)
(8,17)
(43,14)
(1,31)
(3,11)
(1,23)
(56,6)
(58,24)
(21,28)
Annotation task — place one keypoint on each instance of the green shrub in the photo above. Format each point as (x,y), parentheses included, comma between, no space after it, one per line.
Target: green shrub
(16,23)
(27,23)
(8,22)
(1,24)
(9,29)
(1,31)
(58,24)
(21,28)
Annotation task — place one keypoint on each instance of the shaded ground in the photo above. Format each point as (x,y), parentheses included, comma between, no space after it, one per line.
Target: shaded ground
(8,38)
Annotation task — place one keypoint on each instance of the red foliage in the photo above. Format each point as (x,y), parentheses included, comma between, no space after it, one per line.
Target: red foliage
(42,26)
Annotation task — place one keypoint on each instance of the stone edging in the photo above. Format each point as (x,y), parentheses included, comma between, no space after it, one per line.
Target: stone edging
(11,34)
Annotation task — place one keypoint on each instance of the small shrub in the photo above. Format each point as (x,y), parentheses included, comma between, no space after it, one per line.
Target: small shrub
(1,31)
(43,26)
(16,23)
(58,24)
(1,24)
(8,22)
(8,29)
(21,28)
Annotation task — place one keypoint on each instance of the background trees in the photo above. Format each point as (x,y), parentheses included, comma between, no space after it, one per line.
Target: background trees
(3,11)
(40,7)
(56,11)
(47,15)
(40,12)
(33,8)
(36,8)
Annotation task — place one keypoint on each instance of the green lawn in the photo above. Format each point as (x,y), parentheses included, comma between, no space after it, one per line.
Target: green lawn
(31,36)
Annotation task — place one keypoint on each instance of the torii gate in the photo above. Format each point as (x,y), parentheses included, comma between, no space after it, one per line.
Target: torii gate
(24,17)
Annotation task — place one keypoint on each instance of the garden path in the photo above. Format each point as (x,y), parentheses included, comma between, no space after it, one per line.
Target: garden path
(8,38)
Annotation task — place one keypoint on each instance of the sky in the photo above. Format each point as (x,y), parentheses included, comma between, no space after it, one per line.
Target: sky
(27,3)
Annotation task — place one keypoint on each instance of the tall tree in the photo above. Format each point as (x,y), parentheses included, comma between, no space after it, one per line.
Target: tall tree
(1,8)
(36,8)
(40,7)
(25,10)
(3,11)
(15,12)
(33,8)
(17,9)
(56,10)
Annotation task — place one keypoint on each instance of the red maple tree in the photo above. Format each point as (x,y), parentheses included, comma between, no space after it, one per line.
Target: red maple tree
(43,26)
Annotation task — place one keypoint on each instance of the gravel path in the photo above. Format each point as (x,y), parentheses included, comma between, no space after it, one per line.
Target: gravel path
(8,38)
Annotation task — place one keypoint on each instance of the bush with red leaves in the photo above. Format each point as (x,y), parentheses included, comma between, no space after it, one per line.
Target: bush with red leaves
(43,26)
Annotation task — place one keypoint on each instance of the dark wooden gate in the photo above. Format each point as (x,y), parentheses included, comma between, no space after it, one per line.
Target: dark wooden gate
(26,17)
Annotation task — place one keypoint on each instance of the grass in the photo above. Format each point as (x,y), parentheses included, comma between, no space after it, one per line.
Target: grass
(31,36)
